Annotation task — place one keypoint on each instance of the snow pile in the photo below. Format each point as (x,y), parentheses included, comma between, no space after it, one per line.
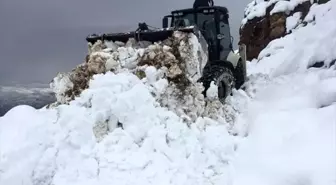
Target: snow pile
(258,8)
(170,69)
(116,132)
(180,59)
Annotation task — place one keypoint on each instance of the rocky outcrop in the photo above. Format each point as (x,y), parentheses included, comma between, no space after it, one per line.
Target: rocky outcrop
(267,20)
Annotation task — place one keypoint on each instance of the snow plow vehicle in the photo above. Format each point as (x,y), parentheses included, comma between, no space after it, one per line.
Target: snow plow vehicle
(210,24)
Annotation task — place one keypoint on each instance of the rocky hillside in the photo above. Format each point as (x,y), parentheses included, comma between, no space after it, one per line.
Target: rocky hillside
(266,20)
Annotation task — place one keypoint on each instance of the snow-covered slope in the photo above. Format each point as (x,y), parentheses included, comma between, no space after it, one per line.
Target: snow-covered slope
(308,46)
(116,132)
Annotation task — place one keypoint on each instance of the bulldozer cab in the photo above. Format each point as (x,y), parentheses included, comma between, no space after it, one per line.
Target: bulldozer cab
(213,22)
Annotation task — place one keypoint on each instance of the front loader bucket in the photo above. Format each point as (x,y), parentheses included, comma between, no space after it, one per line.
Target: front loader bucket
(142,35)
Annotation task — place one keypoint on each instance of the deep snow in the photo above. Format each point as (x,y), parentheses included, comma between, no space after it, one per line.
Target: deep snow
(284,131)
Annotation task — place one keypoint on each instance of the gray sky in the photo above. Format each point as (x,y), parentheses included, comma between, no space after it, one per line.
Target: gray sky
(39,38)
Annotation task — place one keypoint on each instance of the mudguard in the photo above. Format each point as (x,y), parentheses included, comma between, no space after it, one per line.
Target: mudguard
(233,58)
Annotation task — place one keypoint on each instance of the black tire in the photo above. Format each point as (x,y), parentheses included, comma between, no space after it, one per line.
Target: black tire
(239,74)
(223,78)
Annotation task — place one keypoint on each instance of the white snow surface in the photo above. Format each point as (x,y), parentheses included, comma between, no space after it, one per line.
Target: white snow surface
(284,132)
(212,92)
(61,83)
(293,21)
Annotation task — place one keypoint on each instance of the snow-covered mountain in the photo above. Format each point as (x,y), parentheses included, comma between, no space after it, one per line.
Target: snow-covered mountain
(279,130)
(11,96)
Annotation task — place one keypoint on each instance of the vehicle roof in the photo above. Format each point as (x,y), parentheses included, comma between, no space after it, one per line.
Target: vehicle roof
(187,10)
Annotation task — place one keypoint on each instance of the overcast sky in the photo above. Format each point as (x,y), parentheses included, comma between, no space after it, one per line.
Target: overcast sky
(39,38)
